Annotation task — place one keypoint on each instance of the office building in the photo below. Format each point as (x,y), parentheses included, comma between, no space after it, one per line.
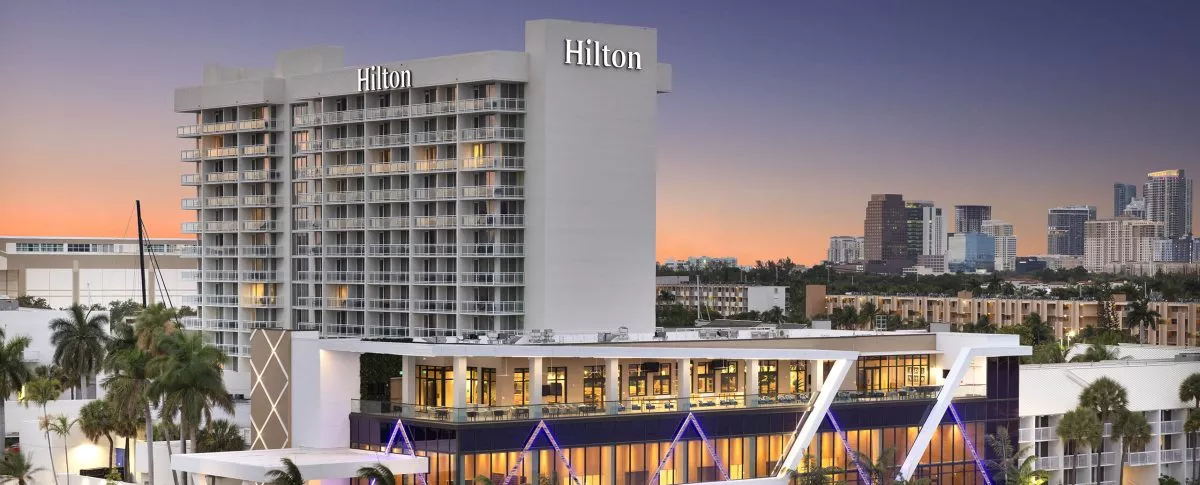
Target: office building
(915,214)
(1123,194)
(1168,195)
(926,229)
(90,271)
(1051,390)
(1031,264)
(1006,243)
(1111,242)
(969,218)
(886,229)
(971,252)
(699,262)
(1136,209)
(727,299)
(1178,326)
(1064,229)
(441,197)
(845,250)
(1173,250)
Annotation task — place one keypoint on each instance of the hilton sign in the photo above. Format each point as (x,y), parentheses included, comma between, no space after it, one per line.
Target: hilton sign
(592,53)
(379,78)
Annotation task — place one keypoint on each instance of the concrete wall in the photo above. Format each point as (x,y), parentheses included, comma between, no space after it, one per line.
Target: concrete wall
(82,453)
(763,298)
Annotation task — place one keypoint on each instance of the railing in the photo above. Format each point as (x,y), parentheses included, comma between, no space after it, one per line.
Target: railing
(390,167)
(492,192)
(443,306)
(210,275)
(395,304)
(252,150)
(385,112)
(258,200)
(493,307)
(432,193)
(492,133)
(349,143)
(1171,427)
(1025,435)
(193,323)
(389,195)
(227,201)
(217,177)
(436,278)
(434,249)
(259,301)
(1083,460)
(1143,458)
(189,155)
(510,278)
(388,249)
(436,165)
(493,249)
(309,276)
(352,169)
(389,222)
(1048,463)
(307,199)
(308,173)
(1170,456)
(1108,458)
(491,104)
(225,126)
(1044,434)
(387,140)
(221,152)
(435,221)
(345,116)
(310,301)
(492,220)
(343,197)
(344,276)
(252,275)
(344,249)
(493,163)
(190,204)
(220,300)
(262,324)
(189,179)
(259,175)
(332,302)
(440,136)
(434,108)
(221,324)
(306,225)
(259,225)
(341,224)
(221,226)
(387,277)
(309,146)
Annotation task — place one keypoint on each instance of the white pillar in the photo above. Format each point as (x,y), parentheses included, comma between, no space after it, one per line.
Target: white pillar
(816,369)
(75,282)
(460,388)
(408,380)
(684,371)
(612,384)
(536,379)
(750,391)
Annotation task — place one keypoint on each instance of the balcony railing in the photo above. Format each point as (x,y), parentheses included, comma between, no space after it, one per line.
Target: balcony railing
(389,195)
(221,152)
(219,177)
(492,220)
(309,146)
(189,155)
(497,279)
(437,165)
(492,192)
(1171,427)
(493,163)
(393,304)
(350,143)
(385,112)
(388,249)
(310,301)
(353,169)
(220,300)
(382,141)
(394,222)
(189,179)
(258,251)
(434,306)
(387,277)
(221,226)
(492,133)
(1049,463)
(309,276)
(1171,456)
(259,175)
(259,301)
(219,202)
(1143,458)
(308,199)
(190,204)
(344,276)
(435,277)
(258,150)
(347,303)
(259,200)
(259,225)
(493,307)
(306,225)
(440,136)
(434,221)
(225,127)
(253,275)
(390,167)
(434,108)
(432,193)
(344,197)
(344,224)
(345,116)
(434,249)
(493,249)
(491,104)
(344,249)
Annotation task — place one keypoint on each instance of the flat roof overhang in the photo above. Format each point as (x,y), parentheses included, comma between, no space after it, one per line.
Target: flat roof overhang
(579,351)
(314,463)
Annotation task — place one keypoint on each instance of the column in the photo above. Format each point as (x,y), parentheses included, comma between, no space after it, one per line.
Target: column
(75,282)
(750,392)
(612,384)
(408,381)
(536,379)
(684,371)
(816,369)
(460,389)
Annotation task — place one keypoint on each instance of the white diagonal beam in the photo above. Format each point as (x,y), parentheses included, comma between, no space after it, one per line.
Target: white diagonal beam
(816,415)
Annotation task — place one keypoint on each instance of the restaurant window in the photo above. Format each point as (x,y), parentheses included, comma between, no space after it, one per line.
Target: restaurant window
(637,380)
(768,377)
(434,385)
(556,383)
(704,377)
(520,386)
(892,372)
(662,380)
(728,376)
(481,386)
(593,384)
(798,375)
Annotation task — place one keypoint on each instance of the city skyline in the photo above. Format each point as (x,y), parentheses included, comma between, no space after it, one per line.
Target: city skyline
(1011,106)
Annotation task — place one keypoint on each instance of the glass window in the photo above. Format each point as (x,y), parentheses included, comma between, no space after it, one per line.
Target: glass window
(520,386)
(637,380)
(481,386)
(729,376)
(768,377)
(593,384)
(433,385)
(556,380)
(892,372)
(662,380)
(799,375)
(704,377)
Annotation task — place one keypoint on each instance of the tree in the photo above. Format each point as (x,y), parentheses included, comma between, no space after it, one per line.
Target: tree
(1189,390)
(155,323)
(1139,316)
(1080,426)
(813,473)
(1134,432)
(119,311)
(127,387)
(866,315)
(219,435)
(881,470)
(289,475)
(1106,399)
(26,301)
(377,474)
(79,343)
(1038,330)
(1097,353)
(61,426)
(1012,467)
(96,420)
(13,371)
(16,467)
(39,392)
(1049,353)
(189,380)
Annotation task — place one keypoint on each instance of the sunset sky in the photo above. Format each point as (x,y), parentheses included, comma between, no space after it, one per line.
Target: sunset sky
(784,117)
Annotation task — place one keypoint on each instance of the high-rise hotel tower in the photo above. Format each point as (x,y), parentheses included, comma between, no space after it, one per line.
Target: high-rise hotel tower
(463,195)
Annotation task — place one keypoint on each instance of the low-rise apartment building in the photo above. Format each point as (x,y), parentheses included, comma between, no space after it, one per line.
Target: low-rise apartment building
(729,299)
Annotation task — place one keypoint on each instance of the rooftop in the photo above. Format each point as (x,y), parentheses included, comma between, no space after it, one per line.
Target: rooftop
(314,464)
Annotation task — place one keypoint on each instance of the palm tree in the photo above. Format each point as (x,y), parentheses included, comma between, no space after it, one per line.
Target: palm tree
(96,420)
(127,387)
(1096,353)
(61,426)
(378,474)
(866,315)
(16,467)
(1139,315)
(1039,330)
(79,343)
(189,380)
(118,311)
(289,475)
(1049,353)
(1106,399)
(41,391)
(219,435)
(1134,432)
(1013,468)
(1081,427)
(1189,390)
(881,470)
(13,371)
(153,324)
(813,474)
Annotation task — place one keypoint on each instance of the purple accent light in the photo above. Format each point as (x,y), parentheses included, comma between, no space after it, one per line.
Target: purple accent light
(541,428)
(408,447)
(962,428)
(691,418)
(862,473)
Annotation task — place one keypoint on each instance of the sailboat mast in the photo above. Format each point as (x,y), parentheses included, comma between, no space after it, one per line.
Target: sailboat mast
(141,252)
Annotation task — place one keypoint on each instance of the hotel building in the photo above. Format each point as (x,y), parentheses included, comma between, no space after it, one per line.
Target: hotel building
(451,196)
(728,299)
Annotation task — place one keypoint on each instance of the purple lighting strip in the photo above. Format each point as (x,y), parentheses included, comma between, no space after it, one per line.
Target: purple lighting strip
(962,428)
(707,445)
(408,446)
(862,473)
(541,428)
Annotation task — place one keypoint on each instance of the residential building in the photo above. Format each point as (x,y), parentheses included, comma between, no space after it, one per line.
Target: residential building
(1123,194)
(1168,195)
(728,299)
(1051,390)
(1136,209)
(440,197)
(915,222)
(91,271)
(970,252)
(1064,229)
(1058,261)
(700,262)
(886,229)
(1117,241)
(1196,249)
(1006,244)
(935,264)
(845,250)
(1173,250)
(969,218)
(682,406)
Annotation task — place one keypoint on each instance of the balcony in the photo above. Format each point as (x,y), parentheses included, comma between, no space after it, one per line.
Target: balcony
(493,133)
(345,197)
(259,301)
(309,276)
(221,300)
(350,170)
(1143,458)
(310,302)
(190,204)
(492,220)
(259,225)
(343,249)
(494,279)
(1048,463)
(1171,427)
(434,108)
(350,143)
(344,276)
(308,199)
(1171,456)
(259,200)
(258,276)
(514,105)
(389,222)
(258,150)
(433,193)
(392,304)
(221,226)
(388,249)
(389,167)
(387,141)
(257,251)
(307,119)
(434,249)
(210,275)
(192,323)
(261,324)
(189,179)
(1044,434)
(306,225)
(493,307)
(259,175)
(493,163)
(389,195)
(434,306)
(222,177)
(428,222)
(219,127)
(189,155)
(436,165)
(434,277)
(308,146)
(385,112)
(493,249)
(492,192)
(344,224)
(221,152)
(346,116)
(387,277)
(440,136)
(345,303)
(220,202)
(221,324)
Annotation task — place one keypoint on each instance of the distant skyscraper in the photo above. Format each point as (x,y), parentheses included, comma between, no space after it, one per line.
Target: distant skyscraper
(1111,242)
(1136,209)
(1122,195)
(885,229)
(1168,195)
(933,232)
(1173,250)
(1005,251)
(968,252)
(915,214)
(845,250)
(969,218)
(1064,229)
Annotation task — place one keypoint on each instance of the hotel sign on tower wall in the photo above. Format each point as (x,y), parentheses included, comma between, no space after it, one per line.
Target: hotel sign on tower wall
(592,53)
(379,78)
